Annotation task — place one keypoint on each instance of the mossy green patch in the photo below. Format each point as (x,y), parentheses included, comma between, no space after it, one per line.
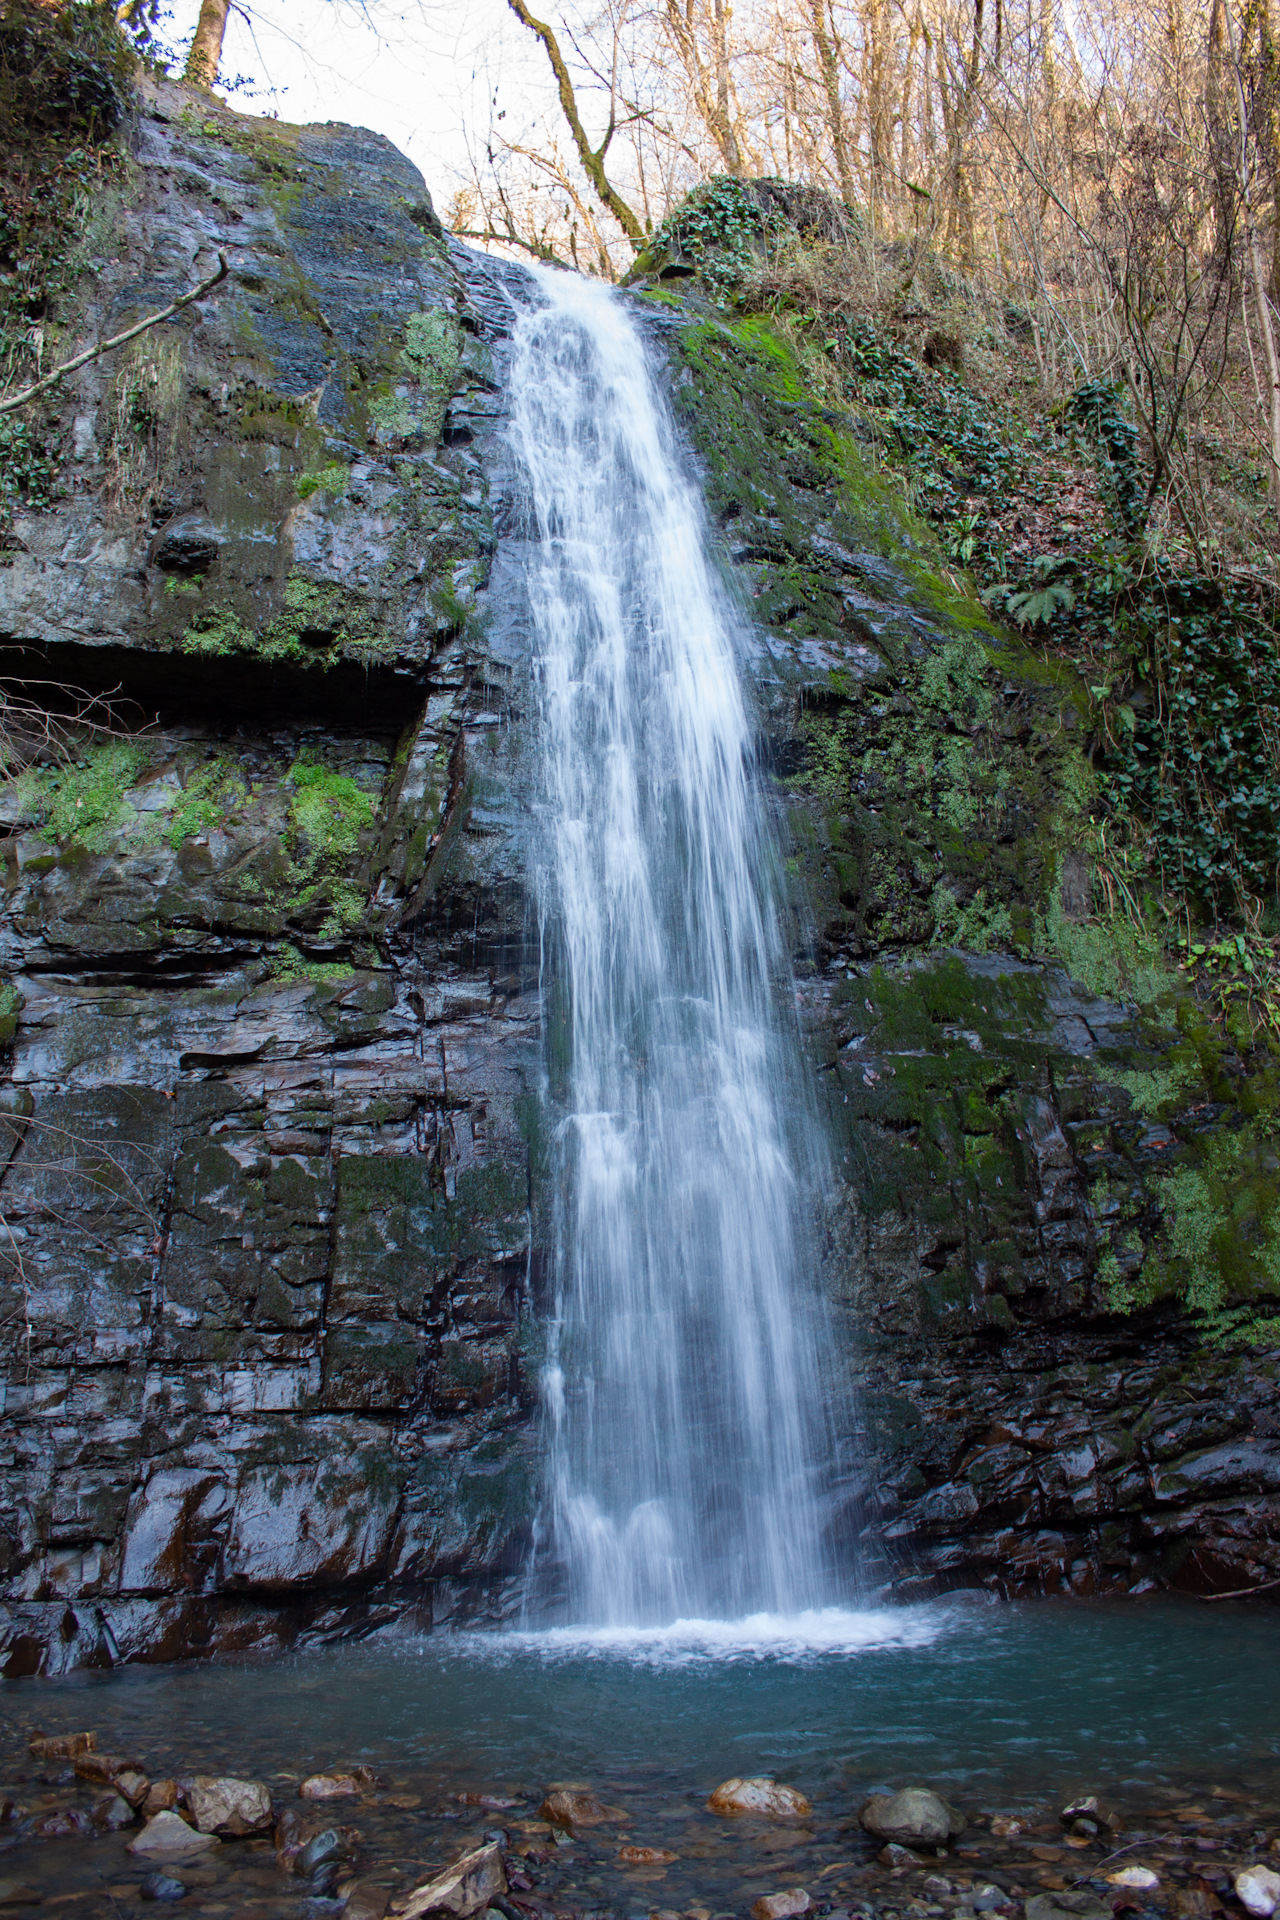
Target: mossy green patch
(84,803)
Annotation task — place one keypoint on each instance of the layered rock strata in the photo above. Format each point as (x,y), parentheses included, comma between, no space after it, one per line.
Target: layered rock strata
(273,1188)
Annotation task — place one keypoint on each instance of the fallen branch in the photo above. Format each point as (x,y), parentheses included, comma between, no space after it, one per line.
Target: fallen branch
(1242,1593)
(15,400)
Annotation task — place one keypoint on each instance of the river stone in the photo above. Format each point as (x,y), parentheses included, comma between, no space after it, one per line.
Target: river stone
(1258,1891)
(330,1786)
(219,1804)
(103,1769)
(16,1893)
(161,1795)
(161,1886)
(168,1834)
(1087,1808)
(60,1746)
(112,1813)
(465,1888)
(1082,1904)
(781,1906)
(363,1900)
(1141,1877)
(645,1857)
(760,1796)
(914,1817)
(574,1810)
(318,1851)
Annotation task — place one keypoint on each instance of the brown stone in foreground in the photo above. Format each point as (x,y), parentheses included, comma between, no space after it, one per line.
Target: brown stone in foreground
(59,1746)
(759,1796)
(161,1796)
(646,1856)
(465,1888)
(781,1906)
(574,1810)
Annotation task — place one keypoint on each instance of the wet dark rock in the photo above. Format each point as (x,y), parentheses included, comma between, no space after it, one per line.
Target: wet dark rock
(59,1822)
(897,1857)
(61,1746)
(319,1851)
(1081,1904)
(161,1886)
(16,1893)
(363,1900)
(112,1814)
(1089,1813)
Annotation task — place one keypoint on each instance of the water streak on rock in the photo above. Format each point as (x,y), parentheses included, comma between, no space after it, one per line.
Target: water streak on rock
(681,1380)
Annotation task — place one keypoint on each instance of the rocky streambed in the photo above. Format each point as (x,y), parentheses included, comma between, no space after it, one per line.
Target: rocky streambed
(83,1829)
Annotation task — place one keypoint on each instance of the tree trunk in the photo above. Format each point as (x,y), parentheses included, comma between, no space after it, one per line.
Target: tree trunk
(206,49)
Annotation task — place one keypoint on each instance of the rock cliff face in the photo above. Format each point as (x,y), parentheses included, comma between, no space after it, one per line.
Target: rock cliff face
(267,1192)
(272,1187)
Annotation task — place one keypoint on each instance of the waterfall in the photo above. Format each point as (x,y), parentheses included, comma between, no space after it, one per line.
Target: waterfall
(681,1384)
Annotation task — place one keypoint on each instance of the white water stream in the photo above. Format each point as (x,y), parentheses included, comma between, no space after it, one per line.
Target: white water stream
(681,1384)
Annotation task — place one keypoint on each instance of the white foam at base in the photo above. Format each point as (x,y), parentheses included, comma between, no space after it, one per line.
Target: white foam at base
(818,1631)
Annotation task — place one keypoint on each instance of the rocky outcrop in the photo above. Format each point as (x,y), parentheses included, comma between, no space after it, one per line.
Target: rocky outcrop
(266,1239)
(271,1167)
(1053,1241)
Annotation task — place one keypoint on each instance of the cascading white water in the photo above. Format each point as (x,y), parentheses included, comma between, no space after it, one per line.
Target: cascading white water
(681,1384)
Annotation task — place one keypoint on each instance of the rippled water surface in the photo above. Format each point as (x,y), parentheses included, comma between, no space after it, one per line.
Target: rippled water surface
(1005,1696)
(1003,1708)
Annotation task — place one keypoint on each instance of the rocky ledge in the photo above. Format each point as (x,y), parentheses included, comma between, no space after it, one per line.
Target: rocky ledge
(273,1195)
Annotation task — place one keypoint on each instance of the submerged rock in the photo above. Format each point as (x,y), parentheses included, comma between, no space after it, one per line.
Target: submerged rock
(330,1786)
(161,1886)
(897,1857)
(913,1817)
(60,1746)
(1081,1903)
(1258,1891)
(58,1822)
(1138,1877)
(104,1769)
(363,1901)
(168,1833)
(760,1796)
(573,1810)
(781,1906)
(318,1851)
(465,1888)
(227,1806)
(16,1893)
(645,1856)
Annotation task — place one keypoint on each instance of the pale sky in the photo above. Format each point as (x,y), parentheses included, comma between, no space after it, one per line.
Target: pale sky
(423,73)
